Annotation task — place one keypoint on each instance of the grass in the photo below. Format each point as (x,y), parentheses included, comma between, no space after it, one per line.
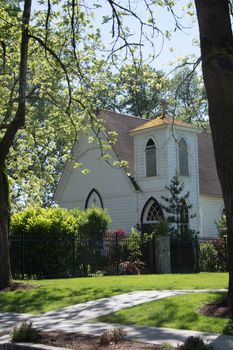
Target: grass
(180,312)
(55,294)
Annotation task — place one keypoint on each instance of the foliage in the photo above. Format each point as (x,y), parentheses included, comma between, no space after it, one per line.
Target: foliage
(54,294)
(222,226)
(93,223)
(55,71)
(178,208)
(115,335)
(137,89)
(161,228)
(186,96)
(213,255)
(24,333)
(47,235)
(53,234)
(208,257)
(194,343)
(134,247)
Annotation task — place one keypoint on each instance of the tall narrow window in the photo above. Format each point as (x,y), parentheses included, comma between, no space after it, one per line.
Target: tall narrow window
(150,158)
(183,158)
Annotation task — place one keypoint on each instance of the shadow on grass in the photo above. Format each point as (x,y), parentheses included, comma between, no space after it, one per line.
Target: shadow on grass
(174,312)
(46,299)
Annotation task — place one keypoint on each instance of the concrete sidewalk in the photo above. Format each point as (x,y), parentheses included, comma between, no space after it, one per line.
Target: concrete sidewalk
(77,318)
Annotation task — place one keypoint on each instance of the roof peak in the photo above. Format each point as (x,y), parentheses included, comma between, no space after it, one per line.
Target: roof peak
(119,114)
(162,121)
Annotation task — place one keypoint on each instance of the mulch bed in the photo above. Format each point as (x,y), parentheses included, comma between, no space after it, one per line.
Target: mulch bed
(87,342)
(18,286)
(216,309)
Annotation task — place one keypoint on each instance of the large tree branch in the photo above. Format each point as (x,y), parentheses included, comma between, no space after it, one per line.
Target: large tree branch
(19,118)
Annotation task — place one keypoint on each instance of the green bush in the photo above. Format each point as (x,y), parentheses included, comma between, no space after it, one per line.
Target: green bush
(208,257)
(55,242)
(134,247)
(92,226)
(213,255)
(25,333)
(195,343)
(222,226)
(45,237)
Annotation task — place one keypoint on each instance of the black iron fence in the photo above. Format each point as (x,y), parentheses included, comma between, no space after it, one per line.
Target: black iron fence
(74,256)
(184,253)
(79,256)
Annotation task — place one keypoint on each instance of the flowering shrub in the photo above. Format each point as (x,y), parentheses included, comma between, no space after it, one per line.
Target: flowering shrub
(128,268)
(119,232)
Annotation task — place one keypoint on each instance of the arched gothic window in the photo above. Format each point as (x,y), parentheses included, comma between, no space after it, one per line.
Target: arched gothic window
(150,158)
(94,200)
(183,158)
(152,212)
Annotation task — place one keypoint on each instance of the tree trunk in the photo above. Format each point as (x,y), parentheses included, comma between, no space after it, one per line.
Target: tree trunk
(217,65)
(5,272)
(5,145)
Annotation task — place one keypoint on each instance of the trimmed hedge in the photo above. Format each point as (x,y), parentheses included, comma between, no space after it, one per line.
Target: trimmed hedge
(47,241)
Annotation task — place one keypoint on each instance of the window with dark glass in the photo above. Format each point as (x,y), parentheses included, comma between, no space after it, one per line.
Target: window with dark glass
(150,158)
(183,158)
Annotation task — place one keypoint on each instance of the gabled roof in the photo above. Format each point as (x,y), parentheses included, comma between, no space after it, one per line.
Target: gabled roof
(160,121)
(208,176)
(122,124)
(124,148)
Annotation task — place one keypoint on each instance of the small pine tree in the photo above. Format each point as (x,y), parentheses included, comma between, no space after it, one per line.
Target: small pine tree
(178,208)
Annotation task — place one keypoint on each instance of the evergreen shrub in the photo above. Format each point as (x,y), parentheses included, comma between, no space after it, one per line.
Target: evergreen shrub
(50,240)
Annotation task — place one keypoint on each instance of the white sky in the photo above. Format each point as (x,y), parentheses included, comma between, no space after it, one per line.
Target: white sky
(181,41)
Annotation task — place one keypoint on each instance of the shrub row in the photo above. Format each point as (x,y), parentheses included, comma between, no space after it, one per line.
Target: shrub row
(43,240)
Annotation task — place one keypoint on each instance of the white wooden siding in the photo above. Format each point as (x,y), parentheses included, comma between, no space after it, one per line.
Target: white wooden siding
(167,165)
(113,185)
(210,212)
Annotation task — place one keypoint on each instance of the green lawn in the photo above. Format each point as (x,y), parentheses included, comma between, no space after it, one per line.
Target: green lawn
(54,294)
(180,312)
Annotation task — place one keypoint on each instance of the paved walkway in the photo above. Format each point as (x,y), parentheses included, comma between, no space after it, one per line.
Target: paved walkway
(79,318)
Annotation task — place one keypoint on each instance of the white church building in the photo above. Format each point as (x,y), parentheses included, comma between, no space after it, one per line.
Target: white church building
(155,150)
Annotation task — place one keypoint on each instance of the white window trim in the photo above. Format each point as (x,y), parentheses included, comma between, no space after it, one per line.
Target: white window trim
(178,156)
(157,155)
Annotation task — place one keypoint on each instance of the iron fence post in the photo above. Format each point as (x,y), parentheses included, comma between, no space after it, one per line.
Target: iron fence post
(225,248)
(197,253)
(117,254)
(22,255)
(73,255)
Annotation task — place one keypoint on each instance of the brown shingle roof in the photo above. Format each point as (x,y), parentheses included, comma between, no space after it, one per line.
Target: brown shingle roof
(160,121)
(208,177)
(123,124)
